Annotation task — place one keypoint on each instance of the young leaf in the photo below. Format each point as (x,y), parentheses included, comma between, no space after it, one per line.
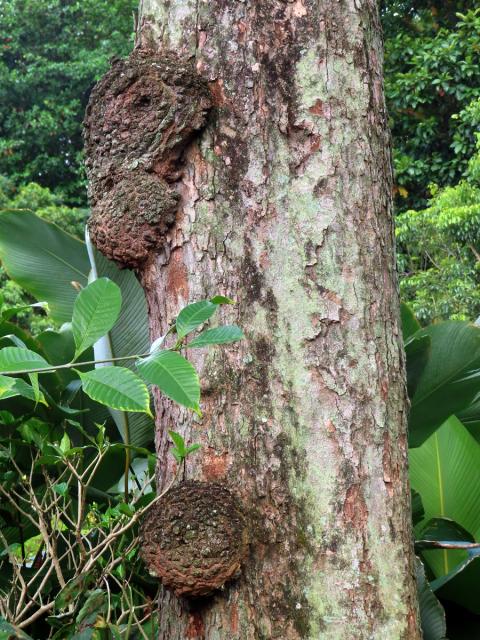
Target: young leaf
(6,385)
(61,488)
(192,448)
(65,444)
(222,300)
(173,375)
(95,311)
(177,455)
(116,387)
(19,388)
(193,316)
(13,359)
(178,441)
(219,335)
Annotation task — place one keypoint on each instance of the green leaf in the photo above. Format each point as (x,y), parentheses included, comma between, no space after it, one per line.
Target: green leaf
(116,387)
(73,589)
(9,632)
(461,584)
(179,457)
(43,260)
(6,385)
(65,444)
(9,313)
(93,605)
(193,315)
(219,335)
(443,530)
(222,300)
(20,388)
(417,350)
(129,335)
(61,488)
(444,470)
(174,376)
(178,441)
(192,448)
(95,311)
(450,379)
(13,359)
(432,614)
(418,512)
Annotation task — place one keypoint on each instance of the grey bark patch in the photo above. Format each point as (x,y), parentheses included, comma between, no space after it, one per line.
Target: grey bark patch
(140,118)
(194,539)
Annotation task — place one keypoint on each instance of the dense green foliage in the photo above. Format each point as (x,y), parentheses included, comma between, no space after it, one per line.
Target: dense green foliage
(51,53)
(69,532)
(439,251)
(432,77)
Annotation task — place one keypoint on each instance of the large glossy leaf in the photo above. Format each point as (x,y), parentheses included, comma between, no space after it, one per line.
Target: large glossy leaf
(174,376)
(432,614)
(95,311)
(193,315)
(461,584)
(218,335)
(445,471)
(43,260)
(417,350)
(13,359)
(450,379)
(116,387)
(418,512)
(442,530)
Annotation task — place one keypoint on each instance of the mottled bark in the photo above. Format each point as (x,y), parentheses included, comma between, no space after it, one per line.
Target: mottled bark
(285,206)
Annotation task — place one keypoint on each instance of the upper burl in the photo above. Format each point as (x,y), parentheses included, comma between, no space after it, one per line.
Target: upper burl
(141,116)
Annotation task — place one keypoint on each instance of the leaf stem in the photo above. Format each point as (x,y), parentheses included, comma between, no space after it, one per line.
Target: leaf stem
(71,365)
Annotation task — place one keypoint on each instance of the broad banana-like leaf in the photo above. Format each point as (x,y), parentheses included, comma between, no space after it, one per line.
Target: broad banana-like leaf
(445,471)
(450,379)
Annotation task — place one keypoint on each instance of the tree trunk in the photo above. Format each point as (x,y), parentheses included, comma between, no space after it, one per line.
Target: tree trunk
(285,206)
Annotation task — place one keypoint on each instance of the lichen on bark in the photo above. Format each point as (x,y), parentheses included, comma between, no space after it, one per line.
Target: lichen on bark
(141,116)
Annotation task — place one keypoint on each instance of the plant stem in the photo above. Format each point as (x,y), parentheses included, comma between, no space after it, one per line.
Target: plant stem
(71,365)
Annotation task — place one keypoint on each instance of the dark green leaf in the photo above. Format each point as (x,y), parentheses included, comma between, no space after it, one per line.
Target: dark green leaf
(450,379)
(431,611)
(410,324)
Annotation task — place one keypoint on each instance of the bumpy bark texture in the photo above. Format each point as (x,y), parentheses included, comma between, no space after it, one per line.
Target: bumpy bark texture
(284,205)
(194,539)
(141,116)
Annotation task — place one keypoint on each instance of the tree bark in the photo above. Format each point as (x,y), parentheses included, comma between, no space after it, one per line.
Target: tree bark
(285,206)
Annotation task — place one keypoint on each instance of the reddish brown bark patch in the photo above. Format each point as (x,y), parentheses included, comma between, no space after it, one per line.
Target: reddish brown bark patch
(140,118)
(194,539)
